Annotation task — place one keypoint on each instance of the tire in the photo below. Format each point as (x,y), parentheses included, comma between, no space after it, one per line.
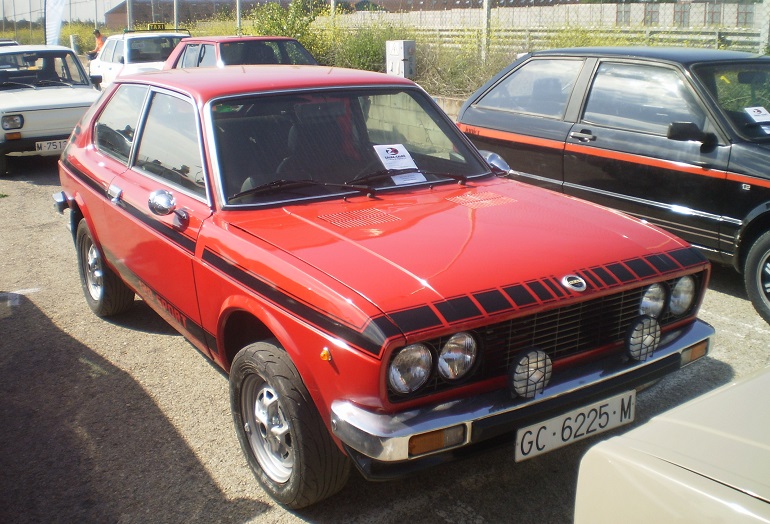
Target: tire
(756,275)
(287,445)
(3,165)
(106,294)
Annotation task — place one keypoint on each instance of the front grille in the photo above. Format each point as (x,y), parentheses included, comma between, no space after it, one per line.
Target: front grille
(560,332)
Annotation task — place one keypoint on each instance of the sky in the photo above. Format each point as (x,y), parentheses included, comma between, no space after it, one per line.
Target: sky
(80,9)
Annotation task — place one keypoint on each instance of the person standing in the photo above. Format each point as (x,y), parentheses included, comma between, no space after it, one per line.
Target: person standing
(99,44)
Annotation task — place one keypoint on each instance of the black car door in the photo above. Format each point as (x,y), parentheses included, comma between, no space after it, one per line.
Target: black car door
(521,118)
(618,153)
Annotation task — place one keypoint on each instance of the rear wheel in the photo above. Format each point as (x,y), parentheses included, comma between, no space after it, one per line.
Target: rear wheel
(105,292)
(281,433)
(756,275)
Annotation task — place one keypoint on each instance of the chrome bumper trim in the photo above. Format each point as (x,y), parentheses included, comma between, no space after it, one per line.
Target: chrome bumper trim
(385,437)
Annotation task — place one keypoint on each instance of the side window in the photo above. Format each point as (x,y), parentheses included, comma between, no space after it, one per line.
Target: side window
(641,98)
(190,56)
(119,51)
(115,127)
(208,56)
(171,120)
(539,87)
(109,49)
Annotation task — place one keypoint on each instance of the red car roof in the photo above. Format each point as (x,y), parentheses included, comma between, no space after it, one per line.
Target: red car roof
(233,38)
(207,83)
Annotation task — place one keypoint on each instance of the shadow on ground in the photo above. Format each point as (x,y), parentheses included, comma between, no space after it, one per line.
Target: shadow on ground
(81,441)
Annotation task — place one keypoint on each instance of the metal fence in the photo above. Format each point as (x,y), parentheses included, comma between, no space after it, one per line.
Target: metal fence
(528,26)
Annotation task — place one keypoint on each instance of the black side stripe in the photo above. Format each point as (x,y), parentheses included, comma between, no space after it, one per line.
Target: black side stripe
(181,240)
(85,179)
(173,235)
(371,339)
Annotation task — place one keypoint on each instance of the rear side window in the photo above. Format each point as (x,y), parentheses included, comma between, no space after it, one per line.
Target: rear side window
(539,87)
(116,126)
(641,98)
(190,56)
(171,120)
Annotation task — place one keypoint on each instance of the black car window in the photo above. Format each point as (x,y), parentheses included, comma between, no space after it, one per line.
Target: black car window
(539,87)
(641,98)
(741,89)
(171,120)
(115,127)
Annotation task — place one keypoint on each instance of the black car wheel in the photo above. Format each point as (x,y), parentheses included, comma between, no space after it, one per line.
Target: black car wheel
(281,433)
(105,292)
(756,275)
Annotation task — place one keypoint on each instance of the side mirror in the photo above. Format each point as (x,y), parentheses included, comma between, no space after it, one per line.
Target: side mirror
(96,80)
(499,166)
(688,131)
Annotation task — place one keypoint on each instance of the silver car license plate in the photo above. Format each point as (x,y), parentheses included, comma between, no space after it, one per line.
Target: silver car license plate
(578,424)
(51,145)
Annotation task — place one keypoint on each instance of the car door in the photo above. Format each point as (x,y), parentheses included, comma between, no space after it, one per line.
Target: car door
(159,205)
(522,118)
(618,153)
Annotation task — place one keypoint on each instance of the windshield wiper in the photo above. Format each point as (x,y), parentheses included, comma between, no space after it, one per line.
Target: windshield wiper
(277,185)
(12,83)
(53,82)
(387,173)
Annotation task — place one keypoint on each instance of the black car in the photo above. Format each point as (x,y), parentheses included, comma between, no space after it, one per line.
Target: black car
(678,137)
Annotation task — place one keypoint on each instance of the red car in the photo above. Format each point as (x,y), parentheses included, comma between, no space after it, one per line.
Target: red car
(218,51)
(379,293)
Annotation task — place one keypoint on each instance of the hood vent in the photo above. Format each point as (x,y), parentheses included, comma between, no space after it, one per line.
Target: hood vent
(478,200)
(362,218)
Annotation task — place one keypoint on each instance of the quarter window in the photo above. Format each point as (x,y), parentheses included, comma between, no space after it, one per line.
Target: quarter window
(640,98)
(171,120)
(190,58)
(539,87)
(115,128)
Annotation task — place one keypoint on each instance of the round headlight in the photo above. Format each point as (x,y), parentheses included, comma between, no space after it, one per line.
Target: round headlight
(457,356)
(653,300)
(682,296)
(410,369)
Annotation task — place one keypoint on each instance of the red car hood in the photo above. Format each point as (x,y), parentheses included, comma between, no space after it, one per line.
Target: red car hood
(400,249)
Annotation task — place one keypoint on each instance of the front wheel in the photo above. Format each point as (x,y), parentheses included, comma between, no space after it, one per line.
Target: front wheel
(105,292)
(281,433)
(756,275)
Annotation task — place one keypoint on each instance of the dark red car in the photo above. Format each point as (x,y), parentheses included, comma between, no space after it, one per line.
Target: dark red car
(379,294)
(218,51)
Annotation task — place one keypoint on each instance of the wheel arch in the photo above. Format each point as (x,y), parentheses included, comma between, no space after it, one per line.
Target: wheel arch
(755,225)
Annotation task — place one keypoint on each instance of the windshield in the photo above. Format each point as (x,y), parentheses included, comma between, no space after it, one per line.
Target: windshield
(32,70)
(742,91)
(335,142)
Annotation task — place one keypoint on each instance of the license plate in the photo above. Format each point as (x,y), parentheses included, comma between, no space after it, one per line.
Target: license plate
(576,425)
(51,145)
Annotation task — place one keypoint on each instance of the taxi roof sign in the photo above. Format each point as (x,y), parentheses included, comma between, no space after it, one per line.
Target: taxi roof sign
(156,27)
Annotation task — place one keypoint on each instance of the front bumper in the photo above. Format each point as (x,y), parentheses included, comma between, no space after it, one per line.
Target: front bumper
(378,443)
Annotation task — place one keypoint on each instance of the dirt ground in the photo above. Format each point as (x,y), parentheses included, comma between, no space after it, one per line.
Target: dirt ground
(123,421)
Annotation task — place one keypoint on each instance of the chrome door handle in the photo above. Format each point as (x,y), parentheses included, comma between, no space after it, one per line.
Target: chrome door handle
(115,194)
(584,136)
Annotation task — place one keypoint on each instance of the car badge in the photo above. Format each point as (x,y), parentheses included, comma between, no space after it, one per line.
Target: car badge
(574,282)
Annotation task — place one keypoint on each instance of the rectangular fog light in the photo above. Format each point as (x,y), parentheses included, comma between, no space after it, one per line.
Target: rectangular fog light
(436,440)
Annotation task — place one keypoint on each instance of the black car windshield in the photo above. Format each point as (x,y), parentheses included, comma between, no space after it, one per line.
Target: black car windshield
(383,139)
(33,70)
(742,91)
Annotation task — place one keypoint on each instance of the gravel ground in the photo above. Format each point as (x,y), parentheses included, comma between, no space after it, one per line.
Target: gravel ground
(123,421)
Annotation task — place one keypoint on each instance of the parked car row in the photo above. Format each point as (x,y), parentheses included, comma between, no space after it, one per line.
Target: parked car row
(383,294)
(44,90)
